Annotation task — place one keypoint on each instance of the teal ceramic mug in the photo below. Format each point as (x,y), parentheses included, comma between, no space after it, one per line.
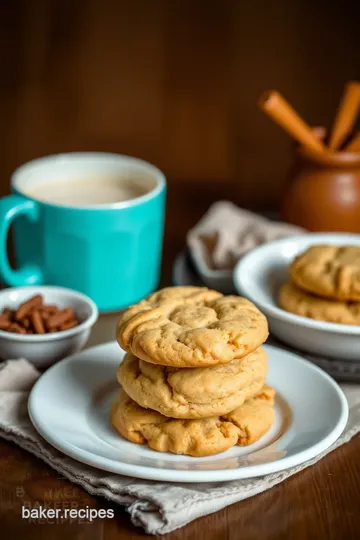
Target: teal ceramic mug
(91,222)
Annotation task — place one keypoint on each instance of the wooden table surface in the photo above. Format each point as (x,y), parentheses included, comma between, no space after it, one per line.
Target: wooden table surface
(322,502)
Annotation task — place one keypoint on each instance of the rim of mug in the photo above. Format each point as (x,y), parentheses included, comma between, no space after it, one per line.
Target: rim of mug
(69,156)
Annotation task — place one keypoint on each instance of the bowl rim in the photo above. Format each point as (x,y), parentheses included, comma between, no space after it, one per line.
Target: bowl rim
(279,313)
(56,336)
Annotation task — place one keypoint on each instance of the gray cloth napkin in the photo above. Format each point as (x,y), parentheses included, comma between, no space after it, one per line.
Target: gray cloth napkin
(226,232)
(158,507)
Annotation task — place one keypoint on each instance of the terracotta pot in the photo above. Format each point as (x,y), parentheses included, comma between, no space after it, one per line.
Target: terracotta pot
(323,192)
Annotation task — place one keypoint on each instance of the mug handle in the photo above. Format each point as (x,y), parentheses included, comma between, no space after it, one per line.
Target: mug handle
(11,207)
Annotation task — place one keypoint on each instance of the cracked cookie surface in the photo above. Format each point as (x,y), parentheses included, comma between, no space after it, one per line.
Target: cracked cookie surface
(193,392)
(191,327)
(329,271)
(201,437)
(293,299)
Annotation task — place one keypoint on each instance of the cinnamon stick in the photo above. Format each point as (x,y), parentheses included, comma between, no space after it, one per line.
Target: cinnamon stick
(37,322)
(59,318)
(346,115)
(26,307)
(275,106)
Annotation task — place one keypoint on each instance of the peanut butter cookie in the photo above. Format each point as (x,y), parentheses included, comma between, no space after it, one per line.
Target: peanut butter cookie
(200,437)
(293,299)
(193,392)
(329,271)
(191,327)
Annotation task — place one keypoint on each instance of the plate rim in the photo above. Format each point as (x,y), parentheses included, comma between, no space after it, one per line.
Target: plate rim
(191,476)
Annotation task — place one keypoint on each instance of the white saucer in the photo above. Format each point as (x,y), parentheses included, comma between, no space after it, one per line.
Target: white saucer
(69,406)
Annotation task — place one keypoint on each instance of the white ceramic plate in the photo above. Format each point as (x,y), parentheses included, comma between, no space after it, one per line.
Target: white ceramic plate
(69,406)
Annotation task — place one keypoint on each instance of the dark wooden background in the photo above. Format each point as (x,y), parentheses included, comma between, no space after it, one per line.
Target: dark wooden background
(175,82)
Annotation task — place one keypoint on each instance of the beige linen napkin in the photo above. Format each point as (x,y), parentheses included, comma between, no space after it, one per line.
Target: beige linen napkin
(226,232)
(158,507)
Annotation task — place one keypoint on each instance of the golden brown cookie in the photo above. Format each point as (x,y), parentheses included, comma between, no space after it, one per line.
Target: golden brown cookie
(329,271)
(191,327)
(293,299)
(193,392)
(201,437)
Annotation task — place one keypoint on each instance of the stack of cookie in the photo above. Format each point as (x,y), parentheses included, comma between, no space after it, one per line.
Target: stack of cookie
(193,378)
(325,284)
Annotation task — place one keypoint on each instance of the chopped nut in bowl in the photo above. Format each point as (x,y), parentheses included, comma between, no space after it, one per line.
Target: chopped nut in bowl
(44,324)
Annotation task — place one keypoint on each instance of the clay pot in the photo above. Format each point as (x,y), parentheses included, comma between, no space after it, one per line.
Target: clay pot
(323,191)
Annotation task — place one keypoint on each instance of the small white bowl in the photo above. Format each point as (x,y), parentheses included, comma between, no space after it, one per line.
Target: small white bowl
(45,349)
(259,275)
